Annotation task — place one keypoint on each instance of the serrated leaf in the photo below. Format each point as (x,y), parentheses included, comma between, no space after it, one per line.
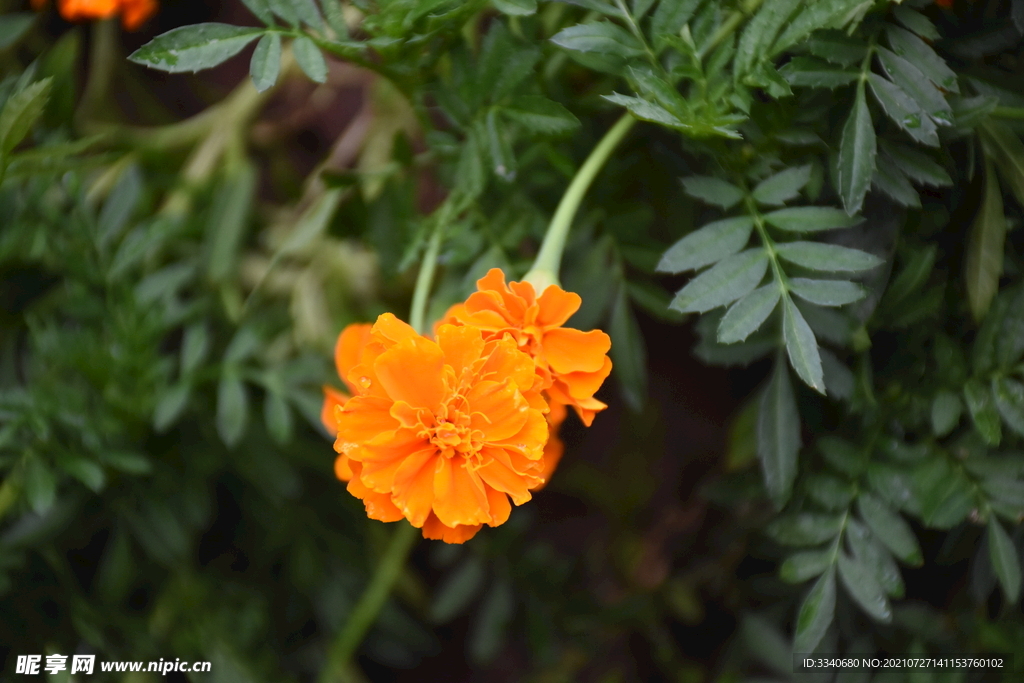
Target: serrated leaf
(759,33)
(984,258)
(981,405)
(916,51)
(946,411)
(1009,397)
(890,528)
(310,59)
(826,292)
(890,180)
(778,435)
(713,191)
(232,409)
(827,257)
(816,613)
(856,154)
(196,47)
(541,115)
(516,8)
(837,48)
(748,314)
(808,72)
(783,186)
(708,245)
(904,111)
(810,219)
(860,582)
(20,112)
(869,552)
(1005,560)
(911,81)
(503,161)
(800,567)
(816,16)
(671,15)
(916,22)
(261,9)
(601,37)
(265,65)
(801,346)
(648,111)
(919,167)
(728,280)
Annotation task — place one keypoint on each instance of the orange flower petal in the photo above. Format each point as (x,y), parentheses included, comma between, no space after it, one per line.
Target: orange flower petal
(500,476)
(434,529)
(413,489)
(349,347)
(459,496)
(362,419)
(530,439)
(389,328)
(343,468)
(569,350)
(332,399)
(497,409)
(499,506)
(557,306)
(462,347)
(378,505)
(135,12)
(505,361)
(411,371)
(582,385)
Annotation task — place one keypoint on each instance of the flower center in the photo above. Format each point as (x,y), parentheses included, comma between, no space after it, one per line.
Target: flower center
(453,433)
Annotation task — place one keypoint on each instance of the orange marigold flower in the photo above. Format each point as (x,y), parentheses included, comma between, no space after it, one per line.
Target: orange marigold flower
(133,12)
(573,364)
(440,432)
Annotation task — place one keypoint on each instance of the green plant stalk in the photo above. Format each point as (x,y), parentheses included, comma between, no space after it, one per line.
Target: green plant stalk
(102,63)
(365,612)
(545,268)
(420,295)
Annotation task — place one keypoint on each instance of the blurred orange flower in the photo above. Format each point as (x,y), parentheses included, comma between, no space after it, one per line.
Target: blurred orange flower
(440,433)
(572,364)
(133,12)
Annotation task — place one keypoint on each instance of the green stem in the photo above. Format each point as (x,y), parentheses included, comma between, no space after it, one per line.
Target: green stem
(418,314)
(370,603)
(1016,113)
(545,267)
(730,24)
(102,62)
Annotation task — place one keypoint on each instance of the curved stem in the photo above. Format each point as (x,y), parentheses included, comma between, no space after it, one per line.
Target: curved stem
(370,603)
(420,295)
(545,267)
(102,62)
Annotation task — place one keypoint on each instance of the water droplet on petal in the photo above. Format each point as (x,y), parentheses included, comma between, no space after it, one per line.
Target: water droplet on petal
(365,382)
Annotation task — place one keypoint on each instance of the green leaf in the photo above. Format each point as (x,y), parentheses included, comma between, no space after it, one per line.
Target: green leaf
(310,59)
(232,409)
(783,186)
(801,346)
(946,410)
(488,634)
(648,111)
(809,72)
(916,22)
(916,51)
(457,590)
(1009,345)
(804,528)
(1003,146)
(748,314)
(286,10)
(837,47)
(713,191)
(826,292)
(540,115)
(278,417)
(870,553)
(261,9)
(810,219)
(890,180)
(602,37)
(800,567)
(307,12)
(920,167)
(856,154)
(819,15)
(516,8)
(828,491)
(728,280)
(759,33)
(628,353)
(503,161)
(1005,560)
(13,27)
(904,111)
(827,257)
(842,455)
(170,406)
(816,613)
(860,582)
(671,15)
(890,528)
(193,48)
(980,403)
(19,114)
(910,79)
(708,245)
(85,471)
(944,494)
(40,484)
(229,216)
(1009,396)
(265,64)
(984,259)
(119,207)
(195,344)
(778,439)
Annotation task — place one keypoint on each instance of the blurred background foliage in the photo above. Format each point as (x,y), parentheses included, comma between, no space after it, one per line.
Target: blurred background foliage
(178,253)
